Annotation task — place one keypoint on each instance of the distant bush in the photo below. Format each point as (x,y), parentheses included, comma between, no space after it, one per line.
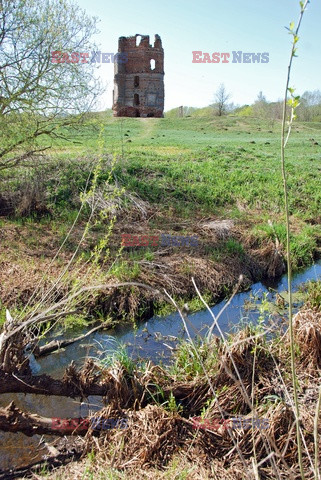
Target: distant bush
(246,111)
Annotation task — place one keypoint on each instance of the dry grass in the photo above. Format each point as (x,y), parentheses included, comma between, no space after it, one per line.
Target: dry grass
(307,332)
(28,265)
(161,442)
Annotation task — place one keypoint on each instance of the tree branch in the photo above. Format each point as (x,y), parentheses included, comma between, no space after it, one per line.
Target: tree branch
(57,344)
(14,420)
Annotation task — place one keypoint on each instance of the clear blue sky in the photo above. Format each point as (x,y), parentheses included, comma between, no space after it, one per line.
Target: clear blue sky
(215,26)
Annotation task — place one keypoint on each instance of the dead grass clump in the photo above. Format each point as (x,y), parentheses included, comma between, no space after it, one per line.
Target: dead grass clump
(123,304)
(152,436)
(239,354)
(172,272)
(116,200)
(191,395)
(220,229)
(307,335)
(155,437)
(123,389)
(29,199)
(268,257)
(210,275)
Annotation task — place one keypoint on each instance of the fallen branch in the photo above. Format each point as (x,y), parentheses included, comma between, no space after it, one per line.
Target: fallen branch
(57,344)
(90,380)
(14,420)
(46,385)
(72,385)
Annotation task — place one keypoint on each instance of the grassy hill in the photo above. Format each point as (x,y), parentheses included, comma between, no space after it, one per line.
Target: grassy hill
(226,167)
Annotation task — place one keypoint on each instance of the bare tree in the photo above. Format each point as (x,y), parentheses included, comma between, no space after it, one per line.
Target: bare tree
(37,96)
(221,99)
(260,107)
(275,112)
(310,106)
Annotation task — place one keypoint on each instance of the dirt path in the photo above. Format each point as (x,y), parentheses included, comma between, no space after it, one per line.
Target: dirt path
(149,125)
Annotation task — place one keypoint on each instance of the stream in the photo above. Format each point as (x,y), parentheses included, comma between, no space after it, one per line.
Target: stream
(154,340)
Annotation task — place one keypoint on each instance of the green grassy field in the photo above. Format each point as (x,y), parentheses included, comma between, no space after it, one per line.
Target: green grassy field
(212,163)
(228,167)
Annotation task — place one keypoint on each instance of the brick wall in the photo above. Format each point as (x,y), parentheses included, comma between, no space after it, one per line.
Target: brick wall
(139,89)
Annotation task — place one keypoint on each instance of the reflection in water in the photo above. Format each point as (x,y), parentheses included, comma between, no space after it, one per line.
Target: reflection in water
(17,449)
(153,340)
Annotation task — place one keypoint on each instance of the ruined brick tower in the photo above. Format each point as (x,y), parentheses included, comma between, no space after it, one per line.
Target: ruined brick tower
(139,82)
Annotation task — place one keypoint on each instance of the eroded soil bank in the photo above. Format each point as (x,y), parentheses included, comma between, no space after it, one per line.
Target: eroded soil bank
(29,266)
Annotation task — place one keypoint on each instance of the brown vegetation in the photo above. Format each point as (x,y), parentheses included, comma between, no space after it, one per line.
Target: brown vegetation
(246,368)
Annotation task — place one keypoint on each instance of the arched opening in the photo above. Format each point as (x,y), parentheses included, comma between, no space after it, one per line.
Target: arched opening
(136,99)
(152,64)
(150,115)
(138,39)
(137,113)
(136,81)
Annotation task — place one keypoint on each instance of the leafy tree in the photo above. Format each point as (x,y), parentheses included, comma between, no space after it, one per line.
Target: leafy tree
(38,97)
